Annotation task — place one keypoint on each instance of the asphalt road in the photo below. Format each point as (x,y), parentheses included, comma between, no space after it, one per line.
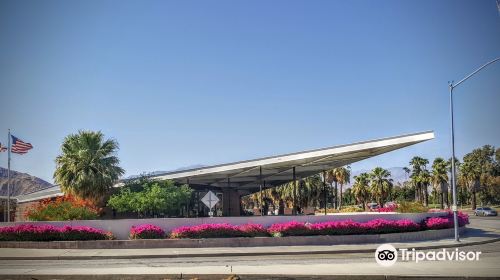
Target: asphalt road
(306,265)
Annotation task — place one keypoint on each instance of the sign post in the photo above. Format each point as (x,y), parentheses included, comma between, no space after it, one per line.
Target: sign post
(210,200)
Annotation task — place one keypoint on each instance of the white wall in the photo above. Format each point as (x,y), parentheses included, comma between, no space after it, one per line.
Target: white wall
(121,227)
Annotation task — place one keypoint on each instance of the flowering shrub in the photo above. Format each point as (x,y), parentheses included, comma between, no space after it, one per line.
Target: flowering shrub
(52,233)
(350,209)
(218,231)
(63,208)
(146,231)
(289,228)
(391,208)
(446,222)
(342,227)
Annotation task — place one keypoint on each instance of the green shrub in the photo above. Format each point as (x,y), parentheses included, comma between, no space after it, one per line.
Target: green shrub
(411,207)
(352,208)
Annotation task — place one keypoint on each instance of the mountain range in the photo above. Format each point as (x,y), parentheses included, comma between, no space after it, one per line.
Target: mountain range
(21,183)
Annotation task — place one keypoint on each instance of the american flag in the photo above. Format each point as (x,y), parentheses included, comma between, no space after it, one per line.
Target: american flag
(19,146)
(2,148)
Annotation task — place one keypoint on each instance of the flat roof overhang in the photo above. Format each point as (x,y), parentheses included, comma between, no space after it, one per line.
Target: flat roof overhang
(277,170)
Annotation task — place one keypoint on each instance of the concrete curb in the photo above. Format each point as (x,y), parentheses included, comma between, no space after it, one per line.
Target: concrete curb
(227,276)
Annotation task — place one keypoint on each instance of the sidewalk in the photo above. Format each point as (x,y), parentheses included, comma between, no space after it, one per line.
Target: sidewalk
(473,236)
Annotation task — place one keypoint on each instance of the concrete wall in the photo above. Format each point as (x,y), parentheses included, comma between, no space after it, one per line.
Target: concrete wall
(121,227)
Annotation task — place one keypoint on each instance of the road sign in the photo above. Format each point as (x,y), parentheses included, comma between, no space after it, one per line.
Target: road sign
(210,199)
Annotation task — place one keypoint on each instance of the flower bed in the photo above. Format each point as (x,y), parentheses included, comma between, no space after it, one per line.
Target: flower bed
(343,228)
(294,228)
(446,222)
(146,231)
(218,231)
(51,233)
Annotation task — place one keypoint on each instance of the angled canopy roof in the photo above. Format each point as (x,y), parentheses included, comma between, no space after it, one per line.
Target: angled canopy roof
(277,170)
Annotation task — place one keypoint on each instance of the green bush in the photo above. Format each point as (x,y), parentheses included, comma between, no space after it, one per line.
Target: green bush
(411,207)
(154,197)
(352,208)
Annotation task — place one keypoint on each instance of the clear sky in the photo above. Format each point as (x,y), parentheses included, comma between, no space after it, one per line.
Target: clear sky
(180,83)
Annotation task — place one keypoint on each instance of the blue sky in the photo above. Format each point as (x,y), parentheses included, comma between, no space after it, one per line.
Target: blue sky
(179,83)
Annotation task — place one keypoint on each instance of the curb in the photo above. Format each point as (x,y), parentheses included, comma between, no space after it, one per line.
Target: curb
(228,276)
(235,254)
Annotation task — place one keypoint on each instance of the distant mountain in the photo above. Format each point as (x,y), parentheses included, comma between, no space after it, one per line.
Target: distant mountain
(398,175)
(21,183)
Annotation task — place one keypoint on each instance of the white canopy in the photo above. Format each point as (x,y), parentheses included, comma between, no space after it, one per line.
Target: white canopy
(277,170)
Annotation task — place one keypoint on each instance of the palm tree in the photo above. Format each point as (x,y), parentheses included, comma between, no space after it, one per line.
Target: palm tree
(440,179)
(470,175)
(418,164)
(331,177)
(87,166)
(360,188)
(310,191)
(425,180)
(343,177)
(380,184)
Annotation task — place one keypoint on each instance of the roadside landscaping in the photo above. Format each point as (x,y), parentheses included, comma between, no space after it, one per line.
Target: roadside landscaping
(225,230)
(51,233)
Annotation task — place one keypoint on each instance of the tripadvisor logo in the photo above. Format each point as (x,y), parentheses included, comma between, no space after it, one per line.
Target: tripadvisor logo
(387,255)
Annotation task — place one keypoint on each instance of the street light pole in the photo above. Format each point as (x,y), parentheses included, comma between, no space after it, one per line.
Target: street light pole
(453,172)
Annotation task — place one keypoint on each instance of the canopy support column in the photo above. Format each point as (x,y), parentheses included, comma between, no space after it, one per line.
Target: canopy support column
(260,187)
(294,210)
(324,189)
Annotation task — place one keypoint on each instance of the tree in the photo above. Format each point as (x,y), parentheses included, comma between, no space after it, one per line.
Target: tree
(87,166)
(479,166)
(380,184)
(360,188)
(440,180)
(418,165)
(425,180)
(155,198)
(343,177)
(331,177)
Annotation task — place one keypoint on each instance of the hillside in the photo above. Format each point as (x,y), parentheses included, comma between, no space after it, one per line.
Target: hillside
(21,183)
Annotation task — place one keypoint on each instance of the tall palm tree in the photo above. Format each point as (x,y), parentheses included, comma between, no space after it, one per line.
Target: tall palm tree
(360,188)
(87,166)
(343,177)
(440,179)
(418,164)
(470,175)
(425,180)
(331,178)
(380,184)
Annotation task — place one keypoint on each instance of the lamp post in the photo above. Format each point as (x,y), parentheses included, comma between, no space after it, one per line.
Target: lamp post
(453,173)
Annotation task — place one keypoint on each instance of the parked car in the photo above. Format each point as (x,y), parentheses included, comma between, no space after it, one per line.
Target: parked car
(485,211)
(373,206)
(390,204)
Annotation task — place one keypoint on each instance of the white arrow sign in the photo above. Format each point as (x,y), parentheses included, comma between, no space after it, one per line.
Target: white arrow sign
(210,199)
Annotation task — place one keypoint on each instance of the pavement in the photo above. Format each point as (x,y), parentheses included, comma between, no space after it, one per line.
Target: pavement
(294,262)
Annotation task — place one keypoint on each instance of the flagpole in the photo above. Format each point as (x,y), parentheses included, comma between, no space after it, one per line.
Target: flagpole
(8,179)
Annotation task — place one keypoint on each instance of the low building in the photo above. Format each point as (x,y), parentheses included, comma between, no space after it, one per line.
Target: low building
(231,181)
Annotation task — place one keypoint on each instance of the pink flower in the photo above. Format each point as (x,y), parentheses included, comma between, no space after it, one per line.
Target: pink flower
(29,232)
(218,231)
(146,231)
(447,221)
